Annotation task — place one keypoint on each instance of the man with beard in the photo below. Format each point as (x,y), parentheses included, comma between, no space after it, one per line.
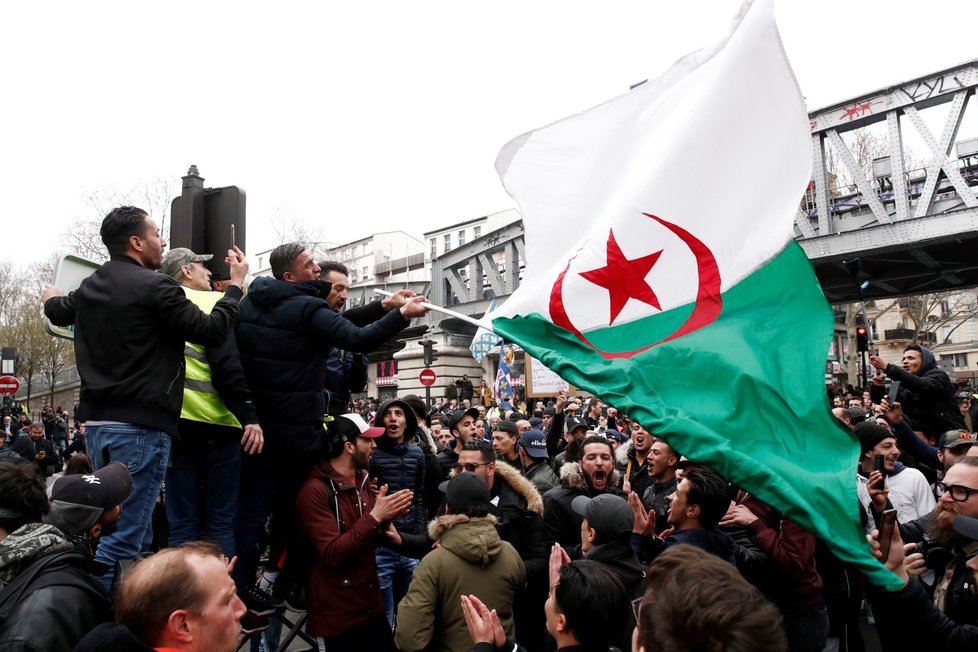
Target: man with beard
(909,492)
(131,326)
(48,598)
(594,475)
(953,593)
(285,332)
(343,519)
(632,461)
(894,609)
(399,463)
(86,507)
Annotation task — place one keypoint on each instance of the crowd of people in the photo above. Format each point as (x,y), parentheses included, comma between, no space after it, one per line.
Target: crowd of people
(398,525)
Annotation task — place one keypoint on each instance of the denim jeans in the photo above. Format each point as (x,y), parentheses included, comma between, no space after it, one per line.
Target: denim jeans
(202,486)
(144,452)
(394,573)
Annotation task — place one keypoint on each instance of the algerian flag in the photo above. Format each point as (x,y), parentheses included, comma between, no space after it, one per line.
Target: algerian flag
(662,276)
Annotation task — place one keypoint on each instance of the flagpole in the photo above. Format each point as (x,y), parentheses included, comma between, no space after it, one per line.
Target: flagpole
(446,311)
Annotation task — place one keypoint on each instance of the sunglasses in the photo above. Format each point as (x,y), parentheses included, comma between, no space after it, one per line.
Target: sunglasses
(468,466)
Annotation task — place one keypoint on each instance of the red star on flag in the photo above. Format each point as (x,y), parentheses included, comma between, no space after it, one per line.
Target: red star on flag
(624,279)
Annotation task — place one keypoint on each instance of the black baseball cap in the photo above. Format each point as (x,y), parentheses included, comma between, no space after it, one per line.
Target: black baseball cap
(105,488)
(458,415)
(464,490)
(575,422)
(609,515)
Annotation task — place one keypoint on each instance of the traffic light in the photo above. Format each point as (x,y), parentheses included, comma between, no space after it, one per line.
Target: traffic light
(429,352)
(862,338)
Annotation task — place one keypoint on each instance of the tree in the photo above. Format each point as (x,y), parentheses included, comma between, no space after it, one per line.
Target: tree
(929,313)
(82,237)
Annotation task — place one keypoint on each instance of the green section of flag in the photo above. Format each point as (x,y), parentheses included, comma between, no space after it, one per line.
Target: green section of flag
(744,396)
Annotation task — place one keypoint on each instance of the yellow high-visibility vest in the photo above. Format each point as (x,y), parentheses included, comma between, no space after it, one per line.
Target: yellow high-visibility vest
(201,401)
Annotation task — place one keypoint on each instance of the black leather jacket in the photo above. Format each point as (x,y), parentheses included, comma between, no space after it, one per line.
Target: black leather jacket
(51,605)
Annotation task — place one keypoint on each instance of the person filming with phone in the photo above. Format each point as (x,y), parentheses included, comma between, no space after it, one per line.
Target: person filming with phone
(880,471)
(926,392)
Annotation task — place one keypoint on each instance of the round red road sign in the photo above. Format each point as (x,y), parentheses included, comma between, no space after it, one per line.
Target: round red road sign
(427,377)
(9,385)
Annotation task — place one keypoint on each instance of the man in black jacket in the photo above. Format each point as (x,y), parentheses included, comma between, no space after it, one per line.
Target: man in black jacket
(48,599)
(130,328)
(926,392)
(285,332)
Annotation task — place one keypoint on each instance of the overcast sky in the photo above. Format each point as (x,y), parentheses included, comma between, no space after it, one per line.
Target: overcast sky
(370,116)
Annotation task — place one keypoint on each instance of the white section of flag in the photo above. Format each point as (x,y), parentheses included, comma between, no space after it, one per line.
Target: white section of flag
(676,147)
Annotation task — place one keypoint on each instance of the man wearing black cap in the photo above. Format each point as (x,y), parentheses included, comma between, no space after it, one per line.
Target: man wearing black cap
(909,492)
(86,507)
(48,598)
(606,538)
(399,463)
(572,439)
(463,428)
(471,559)
(518,509)
(344,520)
(535,462)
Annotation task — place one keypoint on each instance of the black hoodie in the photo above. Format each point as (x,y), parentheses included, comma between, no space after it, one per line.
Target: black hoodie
(285,331)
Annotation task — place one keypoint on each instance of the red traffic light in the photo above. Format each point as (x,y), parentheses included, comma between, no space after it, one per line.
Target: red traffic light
(861,330)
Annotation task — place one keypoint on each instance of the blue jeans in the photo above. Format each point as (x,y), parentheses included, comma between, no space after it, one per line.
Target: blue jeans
(394,573)
(144,452)
(202,486)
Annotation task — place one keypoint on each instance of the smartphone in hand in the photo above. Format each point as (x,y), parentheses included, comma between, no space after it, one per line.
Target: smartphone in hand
(894,390)
(887,522)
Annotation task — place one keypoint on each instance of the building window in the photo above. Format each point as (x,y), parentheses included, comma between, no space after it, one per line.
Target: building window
(461,238)
(364,273)
(448,241)
(957,359)
(434,247)
(476,232)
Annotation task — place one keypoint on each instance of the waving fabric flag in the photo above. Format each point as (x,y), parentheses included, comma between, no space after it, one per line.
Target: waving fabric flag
(661,274)
(504,383)
(484,339)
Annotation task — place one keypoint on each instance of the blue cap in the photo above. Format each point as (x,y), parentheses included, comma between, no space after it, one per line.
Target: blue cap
(534,442)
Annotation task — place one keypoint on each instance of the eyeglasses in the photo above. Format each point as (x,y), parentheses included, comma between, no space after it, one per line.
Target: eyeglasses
(637,607)
(958,492)
(468,466)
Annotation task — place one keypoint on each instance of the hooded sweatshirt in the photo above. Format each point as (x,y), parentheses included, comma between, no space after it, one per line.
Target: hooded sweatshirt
(472,559)
(927,397)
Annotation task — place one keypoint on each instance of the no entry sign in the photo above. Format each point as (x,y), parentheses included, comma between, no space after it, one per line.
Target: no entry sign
(9,385)
(427,377)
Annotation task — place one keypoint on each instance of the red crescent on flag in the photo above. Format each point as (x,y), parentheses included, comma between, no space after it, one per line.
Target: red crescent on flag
(705,311)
